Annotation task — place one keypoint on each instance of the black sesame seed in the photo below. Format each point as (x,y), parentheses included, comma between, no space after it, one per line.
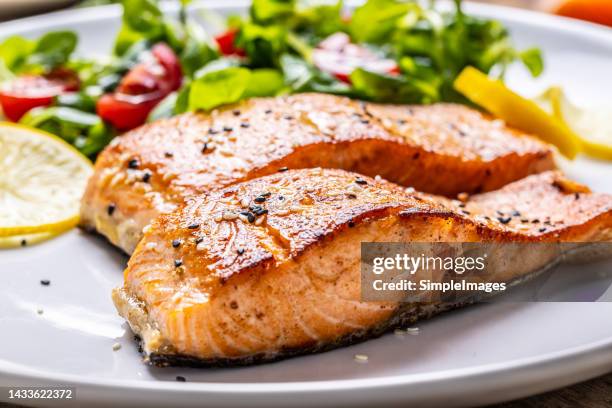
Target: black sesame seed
(45,282)
(351,224)
(169,154)
(204,147)
(133,164)
(111,209)
(461,205)
(198,240)
(351,196)
(576,196)
(23,242)
(543,229)
(178,262)
(361,181)
(251,218)
(365,121)
(193,226)
(261,211)
(465,212)
(176,243)
(146,176)
(504,220)
(266,194)
(212,131)
(524,220)
(180,378)
(255,208)
(227,128)
(244,125)
(516,213)
(281,198)
(245,213)
(236,112)
(268,111)
(240,251)
(535,221)
(288,117)
(282,169)
(259,199)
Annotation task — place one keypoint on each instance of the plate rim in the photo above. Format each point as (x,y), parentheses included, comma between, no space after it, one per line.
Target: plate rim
(580,356)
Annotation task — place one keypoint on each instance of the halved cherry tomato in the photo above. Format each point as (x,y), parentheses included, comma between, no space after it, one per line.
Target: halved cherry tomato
(26,92)
(226,43)
(141,89)
(124,111)
(339,57)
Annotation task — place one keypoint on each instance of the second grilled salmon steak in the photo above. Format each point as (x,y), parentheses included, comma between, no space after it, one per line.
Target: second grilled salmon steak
(440,149)
(270,267)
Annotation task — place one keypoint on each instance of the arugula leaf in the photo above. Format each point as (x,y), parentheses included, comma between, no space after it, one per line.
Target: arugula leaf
(262,44)
(142,20)
(218,88)
(395,89)
(301,76)
(264,82)
(266,11)
(376,19)
(53,49)
(532,58)
(14,52)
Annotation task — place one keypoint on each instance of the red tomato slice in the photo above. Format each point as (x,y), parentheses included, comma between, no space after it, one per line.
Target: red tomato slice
(142,88)
(226,43)
(339,57)
(27,92)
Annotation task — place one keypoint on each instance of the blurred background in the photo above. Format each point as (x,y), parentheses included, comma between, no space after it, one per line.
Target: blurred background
(598,11)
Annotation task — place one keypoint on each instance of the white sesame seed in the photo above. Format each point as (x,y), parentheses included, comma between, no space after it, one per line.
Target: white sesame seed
(218,217)
(244,202)
(399,332)
(243,218)
(228,215)
(354,188)
(150,245)
(146,229)
(259,220)
(361,358)
(226,152)
(282,211)
(295,208)
(410,190)
(116,346)
(414,331)
(201,246)
(377,177)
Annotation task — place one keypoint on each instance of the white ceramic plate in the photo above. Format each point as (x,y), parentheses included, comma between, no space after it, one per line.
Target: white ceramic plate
(482,354)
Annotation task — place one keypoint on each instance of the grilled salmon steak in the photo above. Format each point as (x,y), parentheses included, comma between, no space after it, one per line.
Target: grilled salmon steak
(270,267)
(440,149)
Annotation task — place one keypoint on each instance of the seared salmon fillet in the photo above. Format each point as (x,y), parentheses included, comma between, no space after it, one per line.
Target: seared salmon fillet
(270,267)
(441,149)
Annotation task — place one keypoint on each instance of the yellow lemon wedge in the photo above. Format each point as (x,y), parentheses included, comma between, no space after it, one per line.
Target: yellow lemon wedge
(517,111)
(42,179)
(593,125)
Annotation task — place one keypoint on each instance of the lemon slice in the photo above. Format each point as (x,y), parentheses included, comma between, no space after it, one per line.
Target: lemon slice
(593,124)
(42,179)
(517,111)
(14,241)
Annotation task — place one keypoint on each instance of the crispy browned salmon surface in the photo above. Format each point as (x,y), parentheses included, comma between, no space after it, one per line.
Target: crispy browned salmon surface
(441,149)
(271,267)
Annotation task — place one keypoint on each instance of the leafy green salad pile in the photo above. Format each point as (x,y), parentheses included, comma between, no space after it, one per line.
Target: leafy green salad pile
(412,53)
